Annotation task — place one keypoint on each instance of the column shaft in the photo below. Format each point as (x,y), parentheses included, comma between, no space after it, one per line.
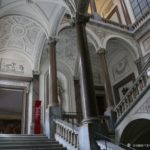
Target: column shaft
(106,79)
(53,101)
(86,79)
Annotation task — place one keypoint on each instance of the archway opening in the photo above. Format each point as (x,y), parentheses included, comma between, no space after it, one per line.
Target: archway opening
(11,111)
(136,134)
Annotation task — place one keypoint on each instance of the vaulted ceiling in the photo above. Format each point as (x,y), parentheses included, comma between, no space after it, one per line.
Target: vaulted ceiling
(26,24)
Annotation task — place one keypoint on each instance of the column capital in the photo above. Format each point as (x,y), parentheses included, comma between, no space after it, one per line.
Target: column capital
(102,51)
(35,72)
(52,40)
(82,18)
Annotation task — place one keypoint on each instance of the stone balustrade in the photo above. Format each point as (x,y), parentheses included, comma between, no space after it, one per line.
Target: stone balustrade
(66,134)
(72,117)
(132,95)
(141,20)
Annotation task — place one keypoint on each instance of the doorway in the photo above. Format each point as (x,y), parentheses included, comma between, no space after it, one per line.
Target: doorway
(12,110)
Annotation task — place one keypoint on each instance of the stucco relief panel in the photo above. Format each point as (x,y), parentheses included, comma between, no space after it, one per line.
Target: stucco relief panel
(18,32)
(120,68)
(11,66)
(67,47)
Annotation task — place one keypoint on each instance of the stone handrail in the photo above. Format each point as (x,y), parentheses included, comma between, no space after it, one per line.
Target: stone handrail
(132,95)
(66,134)
(72,117)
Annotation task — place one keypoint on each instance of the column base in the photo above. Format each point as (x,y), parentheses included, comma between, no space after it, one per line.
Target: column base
(89,132)
(53,112)
(111,119)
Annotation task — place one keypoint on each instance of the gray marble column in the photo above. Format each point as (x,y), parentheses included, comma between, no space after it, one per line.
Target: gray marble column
(86,78)
(53,110)
(105,78)
(90,124)
(108,89)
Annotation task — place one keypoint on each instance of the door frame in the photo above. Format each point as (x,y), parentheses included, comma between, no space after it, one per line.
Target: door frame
(21,86)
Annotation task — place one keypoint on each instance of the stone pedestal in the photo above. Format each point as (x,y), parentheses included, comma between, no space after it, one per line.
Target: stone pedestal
(109,113)
(90,132)
(52,113)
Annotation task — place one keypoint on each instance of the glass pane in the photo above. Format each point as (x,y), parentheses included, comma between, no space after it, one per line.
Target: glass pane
(134,3)
(143,4)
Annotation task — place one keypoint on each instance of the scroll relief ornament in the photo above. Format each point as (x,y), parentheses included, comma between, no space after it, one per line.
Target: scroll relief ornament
(18,32)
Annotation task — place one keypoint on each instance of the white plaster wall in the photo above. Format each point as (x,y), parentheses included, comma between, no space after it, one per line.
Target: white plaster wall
(145,44)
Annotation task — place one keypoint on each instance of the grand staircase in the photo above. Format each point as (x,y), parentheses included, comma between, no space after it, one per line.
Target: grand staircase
(28,142)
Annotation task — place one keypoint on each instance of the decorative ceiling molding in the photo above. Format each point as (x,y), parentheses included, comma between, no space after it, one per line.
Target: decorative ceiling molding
(19,33)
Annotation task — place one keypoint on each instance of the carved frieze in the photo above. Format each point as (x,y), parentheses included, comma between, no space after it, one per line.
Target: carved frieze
(11,66)
(18,32)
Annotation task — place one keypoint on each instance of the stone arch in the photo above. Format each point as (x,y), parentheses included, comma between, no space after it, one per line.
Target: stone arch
(93,38)
(134,49)
(129,122)
(121,60)
(64,75)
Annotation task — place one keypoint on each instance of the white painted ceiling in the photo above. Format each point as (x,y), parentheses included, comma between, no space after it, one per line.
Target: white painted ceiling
(26,24)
